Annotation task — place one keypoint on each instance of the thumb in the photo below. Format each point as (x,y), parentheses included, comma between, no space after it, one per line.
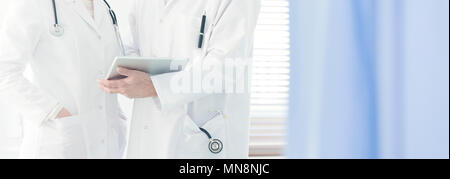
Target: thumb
(124,71)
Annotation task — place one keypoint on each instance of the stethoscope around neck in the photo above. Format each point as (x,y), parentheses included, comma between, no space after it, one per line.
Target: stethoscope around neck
(58,30)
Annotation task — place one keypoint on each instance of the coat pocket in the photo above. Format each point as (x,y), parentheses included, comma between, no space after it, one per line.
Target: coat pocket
(196,144)
(62,138)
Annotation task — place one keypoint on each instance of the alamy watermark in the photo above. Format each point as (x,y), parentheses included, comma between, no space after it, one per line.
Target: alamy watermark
(212,76)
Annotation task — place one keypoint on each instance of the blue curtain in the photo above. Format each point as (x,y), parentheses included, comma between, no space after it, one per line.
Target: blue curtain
(369,79)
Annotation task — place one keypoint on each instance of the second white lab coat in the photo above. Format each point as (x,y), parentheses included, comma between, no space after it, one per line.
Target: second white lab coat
(168,126)
(65,70)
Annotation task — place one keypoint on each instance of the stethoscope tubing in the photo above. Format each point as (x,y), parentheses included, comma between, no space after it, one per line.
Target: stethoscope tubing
(55,12)
(114,22)
(119,40)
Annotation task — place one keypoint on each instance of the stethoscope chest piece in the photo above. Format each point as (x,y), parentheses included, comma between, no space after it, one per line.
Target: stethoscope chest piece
(57,30)
(215,146)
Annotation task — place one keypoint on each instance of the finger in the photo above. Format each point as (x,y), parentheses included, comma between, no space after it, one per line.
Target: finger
(103,82)
(106,88)
(111,90)
(124,71)
(114,83)
(129,80)
(103,88)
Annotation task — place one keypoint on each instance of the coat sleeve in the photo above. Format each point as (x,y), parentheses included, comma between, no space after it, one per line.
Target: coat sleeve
(19,36)
(231,39)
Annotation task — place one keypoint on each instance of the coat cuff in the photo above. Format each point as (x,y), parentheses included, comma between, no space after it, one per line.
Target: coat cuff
(54,113)
(47,112)
(166,99)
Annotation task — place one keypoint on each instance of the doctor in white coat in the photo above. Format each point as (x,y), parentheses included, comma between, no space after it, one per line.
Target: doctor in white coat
(202,123)
(64,114)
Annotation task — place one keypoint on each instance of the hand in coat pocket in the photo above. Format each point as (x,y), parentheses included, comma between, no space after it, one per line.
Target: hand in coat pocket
(63,113)
(62,139)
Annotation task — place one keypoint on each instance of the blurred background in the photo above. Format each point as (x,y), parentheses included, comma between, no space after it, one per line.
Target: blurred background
(336,79)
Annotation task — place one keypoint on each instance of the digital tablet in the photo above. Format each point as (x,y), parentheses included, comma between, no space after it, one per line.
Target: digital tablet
(152,66)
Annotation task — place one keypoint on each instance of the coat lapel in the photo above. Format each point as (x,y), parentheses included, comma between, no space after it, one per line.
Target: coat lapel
(101,12)
(82,11)
(166,7)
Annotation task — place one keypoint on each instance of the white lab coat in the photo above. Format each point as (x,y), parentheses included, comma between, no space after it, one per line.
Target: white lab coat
(65,70)
(168,126)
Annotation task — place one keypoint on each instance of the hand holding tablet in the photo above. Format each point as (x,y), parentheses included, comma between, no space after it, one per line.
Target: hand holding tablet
(130,76)
(151,66)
